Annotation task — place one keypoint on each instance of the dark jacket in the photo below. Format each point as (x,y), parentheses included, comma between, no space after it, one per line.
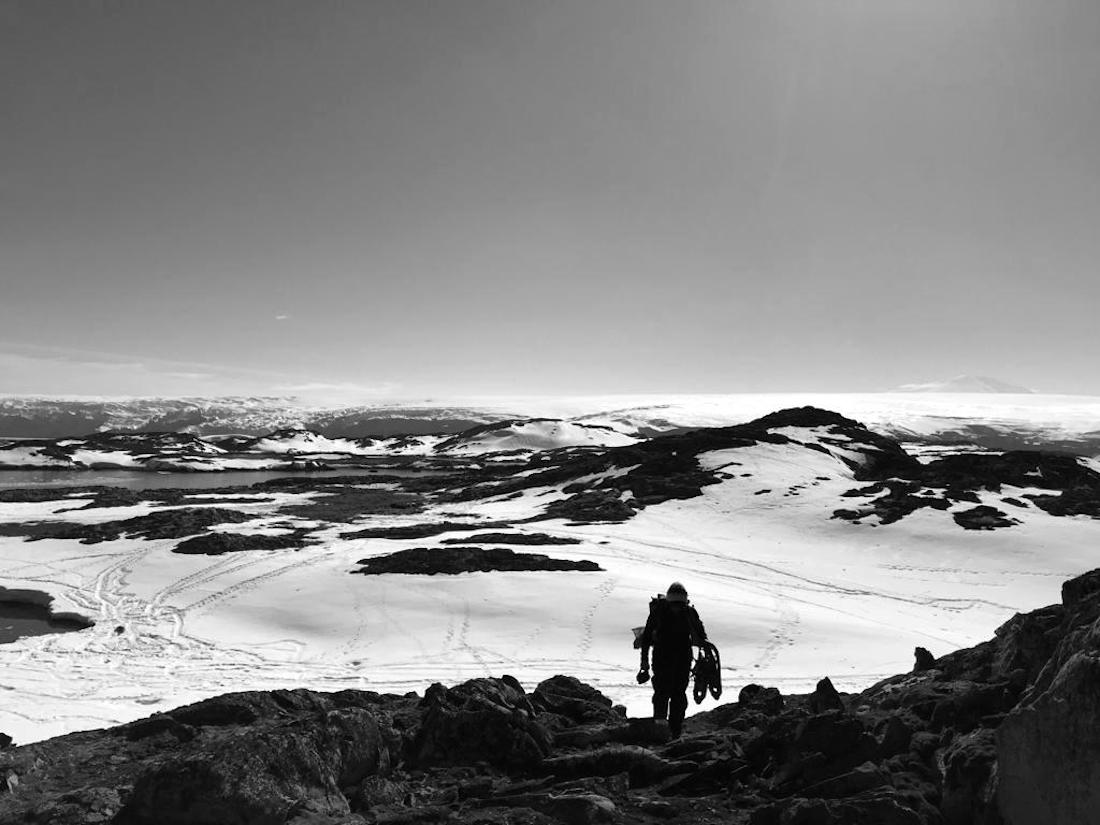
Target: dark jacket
(671,629)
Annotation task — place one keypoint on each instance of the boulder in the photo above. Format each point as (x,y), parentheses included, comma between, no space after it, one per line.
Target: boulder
(924,660)
(824,746)
(895,736)
(825,697)
(1026,641)
(766,699)
(577,702)
(482,720)
(1048,751)
(970,780)
(264,773)
(1076,590)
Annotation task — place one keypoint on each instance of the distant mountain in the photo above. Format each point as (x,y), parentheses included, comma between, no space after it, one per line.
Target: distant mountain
(966,383)
(29,417)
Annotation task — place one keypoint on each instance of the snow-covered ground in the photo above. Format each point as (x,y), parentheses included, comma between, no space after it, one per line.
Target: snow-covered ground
(788,594)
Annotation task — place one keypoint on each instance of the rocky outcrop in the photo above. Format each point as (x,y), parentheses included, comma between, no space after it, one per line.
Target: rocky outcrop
(164,524)
(1048,749)
(429,561)
(923,659)
(513,538)
(483,720)
(215,544)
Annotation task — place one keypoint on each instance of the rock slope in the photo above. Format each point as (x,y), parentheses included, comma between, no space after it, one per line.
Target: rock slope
(1004,733)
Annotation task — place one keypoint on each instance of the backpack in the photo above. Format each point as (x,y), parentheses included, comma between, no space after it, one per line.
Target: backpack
(655,606)
(665,619)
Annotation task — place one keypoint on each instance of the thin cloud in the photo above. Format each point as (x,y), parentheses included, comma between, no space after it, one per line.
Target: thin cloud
(282,317)
(67,372)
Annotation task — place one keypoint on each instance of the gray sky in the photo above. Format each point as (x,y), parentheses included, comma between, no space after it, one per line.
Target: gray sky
(402,197)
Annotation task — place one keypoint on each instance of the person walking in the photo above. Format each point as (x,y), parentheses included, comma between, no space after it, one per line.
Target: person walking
(672,628)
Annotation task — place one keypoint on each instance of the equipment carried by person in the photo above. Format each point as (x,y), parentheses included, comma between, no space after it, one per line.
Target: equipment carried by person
(656,604)
(708,673)
(661,618)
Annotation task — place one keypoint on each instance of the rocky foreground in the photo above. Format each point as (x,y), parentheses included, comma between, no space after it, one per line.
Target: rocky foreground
(1005,732)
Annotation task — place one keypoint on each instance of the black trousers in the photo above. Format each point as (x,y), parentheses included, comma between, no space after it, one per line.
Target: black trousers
(670,684)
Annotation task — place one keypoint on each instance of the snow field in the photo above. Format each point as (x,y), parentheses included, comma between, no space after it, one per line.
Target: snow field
(787,593)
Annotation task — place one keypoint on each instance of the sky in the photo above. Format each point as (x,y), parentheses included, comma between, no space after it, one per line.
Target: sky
(393,198)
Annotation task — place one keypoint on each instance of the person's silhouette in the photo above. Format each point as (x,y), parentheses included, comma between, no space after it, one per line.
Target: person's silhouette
(672,628)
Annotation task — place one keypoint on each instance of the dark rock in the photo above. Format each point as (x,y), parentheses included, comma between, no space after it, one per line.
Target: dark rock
(482,720)
(591,506)
(1025,642)
(417,531)
(453,560)
(876,808)
(578,809)
(5,741)
(81,806)
(264,774)
(351,503)
(983,517)
(643,731)
(969,780)
(572,699)
(768,700)
(166,524)
(1079,501)
(154,726)
(513,538)
(1048,751)
(1078,589)
(924,744)
(659,809)
(825,697)
(963,704)
(862,778)
(899,500)
(247,707)
(642,765)
(1018,468)
(214,544)
(570,808)
(897,734)
(715,776)
(924,660)
(825,746)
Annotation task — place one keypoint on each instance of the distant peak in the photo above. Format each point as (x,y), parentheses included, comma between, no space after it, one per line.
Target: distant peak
(967,383)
